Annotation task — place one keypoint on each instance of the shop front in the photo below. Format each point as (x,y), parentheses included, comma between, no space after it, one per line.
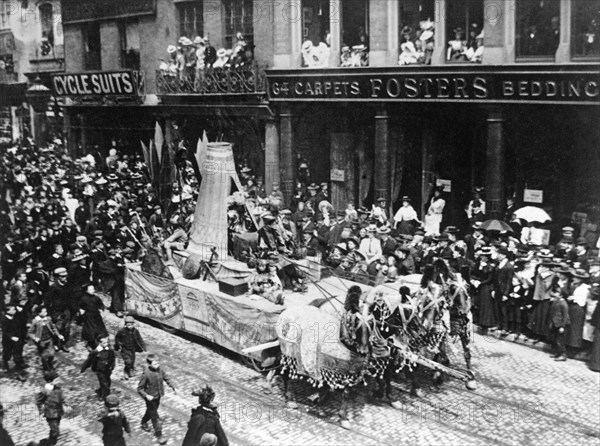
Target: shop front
(392,132)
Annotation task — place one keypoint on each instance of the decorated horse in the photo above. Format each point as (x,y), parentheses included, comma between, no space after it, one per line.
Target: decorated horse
(336,347)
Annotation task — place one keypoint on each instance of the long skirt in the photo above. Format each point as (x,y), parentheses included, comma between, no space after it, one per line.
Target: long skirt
(575,330)
(487,307)
(539,323)
(594,363)
(92,325)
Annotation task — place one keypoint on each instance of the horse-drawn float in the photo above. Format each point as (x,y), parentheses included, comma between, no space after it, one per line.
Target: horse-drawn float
(314,334)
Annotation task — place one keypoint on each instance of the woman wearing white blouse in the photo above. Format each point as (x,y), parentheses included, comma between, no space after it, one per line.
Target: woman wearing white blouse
(433,219)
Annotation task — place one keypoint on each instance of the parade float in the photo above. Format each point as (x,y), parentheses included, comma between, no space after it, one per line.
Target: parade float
(205,293)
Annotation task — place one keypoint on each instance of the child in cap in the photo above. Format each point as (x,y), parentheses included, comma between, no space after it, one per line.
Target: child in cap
(114,422)
(102,362)
(50,403)
(129,341)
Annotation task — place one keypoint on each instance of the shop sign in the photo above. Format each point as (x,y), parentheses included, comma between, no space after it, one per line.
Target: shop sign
(533,196)
(446,185)
(75,11)
(337,175)
(105,83)
(479,84)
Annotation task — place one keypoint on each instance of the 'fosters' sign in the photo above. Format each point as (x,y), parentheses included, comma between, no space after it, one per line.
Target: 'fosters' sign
(478,84)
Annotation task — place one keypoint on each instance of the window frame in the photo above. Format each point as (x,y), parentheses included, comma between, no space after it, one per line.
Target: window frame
(231,26)
(45,6)
(123,44)
(88,64)
(532,57)
(572,38)
(185,7)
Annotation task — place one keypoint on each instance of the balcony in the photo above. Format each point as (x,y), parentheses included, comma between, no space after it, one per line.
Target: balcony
(235,81)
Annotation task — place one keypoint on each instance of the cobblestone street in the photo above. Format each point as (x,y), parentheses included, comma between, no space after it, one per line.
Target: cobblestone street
(522,398)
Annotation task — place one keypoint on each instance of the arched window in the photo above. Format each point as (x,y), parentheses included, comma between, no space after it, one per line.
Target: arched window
(47,22)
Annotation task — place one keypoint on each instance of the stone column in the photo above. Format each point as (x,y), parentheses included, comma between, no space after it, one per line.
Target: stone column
(378,32)
(39,127)
(495,163)
(563,53)
(272,164)
(382,154)
(342,159)
(440,46)
(287,154)
(496,27)
(71,140)
(335,28)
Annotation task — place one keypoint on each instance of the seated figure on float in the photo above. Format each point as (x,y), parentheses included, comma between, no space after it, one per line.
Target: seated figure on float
(265,282)
(354,333)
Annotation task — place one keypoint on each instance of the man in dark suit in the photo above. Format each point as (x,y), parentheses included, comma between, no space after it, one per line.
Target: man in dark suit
(388,244)
(503,288)
(210,53)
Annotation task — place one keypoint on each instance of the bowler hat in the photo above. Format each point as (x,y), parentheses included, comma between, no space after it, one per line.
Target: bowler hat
(406,198)
(581,242)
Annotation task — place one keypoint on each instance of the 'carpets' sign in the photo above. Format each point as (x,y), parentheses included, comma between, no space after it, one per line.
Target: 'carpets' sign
(106,83)
(475,84)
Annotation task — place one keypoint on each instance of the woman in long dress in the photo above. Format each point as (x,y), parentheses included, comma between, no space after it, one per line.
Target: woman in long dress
(577,302)
(487,308)
(90,307)
(433,219)
(539,322)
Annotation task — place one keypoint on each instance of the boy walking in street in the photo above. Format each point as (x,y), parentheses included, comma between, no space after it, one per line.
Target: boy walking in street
(43,332)
(114,422)
(50,403)
(129,341)
(102,361)
(151,388)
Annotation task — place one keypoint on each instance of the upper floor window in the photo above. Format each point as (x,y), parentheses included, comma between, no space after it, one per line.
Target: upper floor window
(47,22)
(130,45)
(464,27)
(417,31)
(585,29)
(239,18)
(316,36)
(355,29)
(191,20)
(538,28)
(92,46)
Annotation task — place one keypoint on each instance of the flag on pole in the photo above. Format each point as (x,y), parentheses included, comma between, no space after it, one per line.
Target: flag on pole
(147,158)
(158,141)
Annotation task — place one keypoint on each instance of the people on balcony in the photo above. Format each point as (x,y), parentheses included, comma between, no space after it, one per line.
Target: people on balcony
(457,48)
(409,54)
(210,53)
(315,56)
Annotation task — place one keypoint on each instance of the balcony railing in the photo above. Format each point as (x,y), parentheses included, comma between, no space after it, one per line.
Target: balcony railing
(242,80)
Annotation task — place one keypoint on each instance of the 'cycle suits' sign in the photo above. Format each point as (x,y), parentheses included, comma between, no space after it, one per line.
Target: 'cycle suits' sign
(106,83)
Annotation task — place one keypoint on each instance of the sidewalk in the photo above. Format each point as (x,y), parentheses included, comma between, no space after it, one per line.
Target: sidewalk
(494,336)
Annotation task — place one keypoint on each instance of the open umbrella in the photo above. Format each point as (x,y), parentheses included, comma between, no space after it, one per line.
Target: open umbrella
(532,213)
(496,225)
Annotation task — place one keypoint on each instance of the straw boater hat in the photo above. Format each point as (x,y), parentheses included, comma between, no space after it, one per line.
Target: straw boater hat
(383,230)
(78,255)
(372,228)
(100,181)
(342,247)
(580,274)
(222,52)
(171,49)
(198,40)
(307,45)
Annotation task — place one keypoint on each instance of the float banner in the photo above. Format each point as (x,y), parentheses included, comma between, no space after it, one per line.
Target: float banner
(105,83)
